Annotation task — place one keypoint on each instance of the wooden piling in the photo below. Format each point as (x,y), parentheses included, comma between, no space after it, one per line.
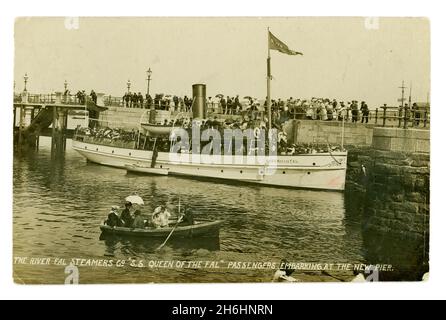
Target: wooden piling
(14,118)
(64,130)
(54,132)
(21,127)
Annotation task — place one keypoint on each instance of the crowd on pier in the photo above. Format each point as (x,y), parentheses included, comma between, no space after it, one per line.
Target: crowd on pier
(315,108)
(325,109)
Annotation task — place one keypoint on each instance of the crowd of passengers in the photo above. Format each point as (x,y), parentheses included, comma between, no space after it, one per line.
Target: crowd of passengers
(244,147)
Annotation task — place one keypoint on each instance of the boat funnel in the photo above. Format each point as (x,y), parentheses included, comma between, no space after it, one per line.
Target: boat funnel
(199,101)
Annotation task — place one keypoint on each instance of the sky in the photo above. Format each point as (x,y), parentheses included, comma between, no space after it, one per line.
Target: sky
(343,58)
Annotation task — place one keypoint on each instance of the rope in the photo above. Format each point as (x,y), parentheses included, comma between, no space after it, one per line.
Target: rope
(329,151)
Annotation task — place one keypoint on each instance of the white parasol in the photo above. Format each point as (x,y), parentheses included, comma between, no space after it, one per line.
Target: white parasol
(135,199)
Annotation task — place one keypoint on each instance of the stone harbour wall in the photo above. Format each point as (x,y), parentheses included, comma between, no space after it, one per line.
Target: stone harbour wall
(396,181)
(130,118)
(397,198)
(321,132)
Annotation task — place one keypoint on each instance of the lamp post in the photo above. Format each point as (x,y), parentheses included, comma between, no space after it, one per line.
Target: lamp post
(128,86)
(152,113)
(25,77)
(149,74)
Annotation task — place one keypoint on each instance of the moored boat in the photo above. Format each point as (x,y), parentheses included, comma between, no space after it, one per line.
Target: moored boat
(251,159)
(200,228)
(313,171)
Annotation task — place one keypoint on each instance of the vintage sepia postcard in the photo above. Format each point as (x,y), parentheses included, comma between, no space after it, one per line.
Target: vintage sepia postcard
(221,150)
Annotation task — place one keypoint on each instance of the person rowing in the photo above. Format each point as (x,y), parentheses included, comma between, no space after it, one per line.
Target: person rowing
(187,218)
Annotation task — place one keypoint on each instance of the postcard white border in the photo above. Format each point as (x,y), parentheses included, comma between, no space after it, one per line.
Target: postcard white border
(432,289)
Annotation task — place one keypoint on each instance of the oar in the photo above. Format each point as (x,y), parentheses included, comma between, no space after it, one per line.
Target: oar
(171,232)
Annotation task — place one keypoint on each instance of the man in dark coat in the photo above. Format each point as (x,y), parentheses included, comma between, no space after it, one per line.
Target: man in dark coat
(188,217)
(354,107)
(140,100)
(223,105)
(175,101)
(134,100)
(365,112)
(127,99)
(148,100)
(237,105)
(230,104)
(126,216)
(93,96)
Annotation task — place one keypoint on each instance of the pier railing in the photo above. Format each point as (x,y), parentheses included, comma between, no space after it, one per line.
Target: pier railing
(51,99)
(385,116)
(405,117)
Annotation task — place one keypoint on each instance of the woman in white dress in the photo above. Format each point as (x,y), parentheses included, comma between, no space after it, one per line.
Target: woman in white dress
(160,217)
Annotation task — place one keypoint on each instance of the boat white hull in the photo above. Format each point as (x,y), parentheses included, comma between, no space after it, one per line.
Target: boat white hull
(313,171)
(147,170)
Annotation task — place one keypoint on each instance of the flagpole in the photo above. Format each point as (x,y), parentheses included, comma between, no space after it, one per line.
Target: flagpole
(268,85)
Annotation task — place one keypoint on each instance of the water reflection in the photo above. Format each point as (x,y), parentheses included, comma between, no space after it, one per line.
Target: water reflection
(139,247)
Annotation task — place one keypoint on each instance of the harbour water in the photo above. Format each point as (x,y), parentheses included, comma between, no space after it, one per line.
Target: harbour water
(59,203)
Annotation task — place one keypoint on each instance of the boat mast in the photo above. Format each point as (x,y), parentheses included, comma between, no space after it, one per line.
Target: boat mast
(268,85)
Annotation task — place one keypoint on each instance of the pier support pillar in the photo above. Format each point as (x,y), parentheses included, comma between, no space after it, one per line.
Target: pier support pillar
(21,128)
(58,136)
(29,110)
(14,118)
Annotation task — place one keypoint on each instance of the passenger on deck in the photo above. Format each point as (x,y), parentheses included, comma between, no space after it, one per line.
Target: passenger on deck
(93,96)
(113,219)
(160,217)
(126,216)
(138,222)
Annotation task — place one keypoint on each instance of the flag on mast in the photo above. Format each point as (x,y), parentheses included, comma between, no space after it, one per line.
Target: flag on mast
(275,44)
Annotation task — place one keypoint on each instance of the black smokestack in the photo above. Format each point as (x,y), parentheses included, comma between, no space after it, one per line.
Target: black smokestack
(199,108)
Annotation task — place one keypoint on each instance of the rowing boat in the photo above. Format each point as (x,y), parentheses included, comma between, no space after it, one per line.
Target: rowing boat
(198,229)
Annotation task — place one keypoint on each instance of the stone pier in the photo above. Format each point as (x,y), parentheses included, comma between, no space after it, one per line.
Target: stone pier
(398,182)
(393,177)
